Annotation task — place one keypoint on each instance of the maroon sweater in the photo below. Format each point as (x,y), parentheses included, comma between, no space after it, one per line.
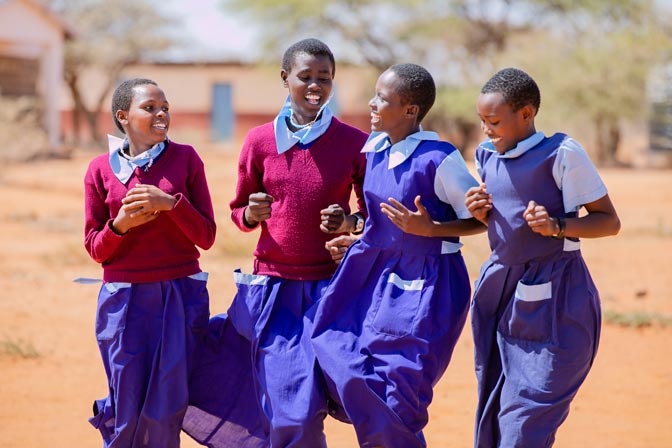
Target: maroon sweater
(302,182)
(162,249)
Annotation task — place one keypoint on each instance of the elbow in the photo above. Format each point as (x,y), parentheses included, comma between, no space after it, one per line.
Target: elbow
(615,226)
(93,253)
(208,242)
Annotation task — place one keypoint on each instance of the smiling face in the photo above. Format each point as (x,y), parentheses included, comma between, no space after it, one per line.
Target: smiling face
(504,127)
(147,120)
(389,113)
(309,82)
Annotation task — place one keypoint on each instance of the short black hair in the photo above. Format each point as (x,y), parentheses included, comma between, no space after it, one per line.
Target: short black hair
(123,96)
(313,47)
(517,87)
(416,86)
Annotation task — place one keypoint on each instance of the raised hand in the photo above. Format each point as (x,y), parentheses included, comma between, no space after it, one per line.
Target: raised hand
(333,220)
(417,223)
(538,219)
(479,202)
(149,198)
(338,246)
(258,208)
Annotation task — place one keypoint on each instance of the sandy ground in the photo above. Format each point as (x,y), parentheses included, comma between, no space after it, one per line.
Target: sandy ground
(50,370)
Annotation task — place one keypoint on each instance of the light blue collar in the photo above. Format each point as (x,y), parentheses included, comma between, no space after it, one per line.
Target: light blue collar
(285,138)
(521,148)
(123,166)
(400,151)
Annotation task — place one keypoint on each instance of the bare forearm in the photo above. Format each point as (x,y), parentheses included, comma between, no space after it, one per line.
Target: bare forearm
(458,227)
(593,225)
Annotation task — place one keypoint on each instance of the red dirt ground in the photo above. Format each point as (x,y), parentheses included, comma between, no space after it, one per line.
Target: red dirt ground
(46,400)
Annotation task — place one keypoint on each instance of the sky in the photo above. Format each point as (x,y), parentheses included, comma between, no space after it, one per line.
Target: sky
(210,33)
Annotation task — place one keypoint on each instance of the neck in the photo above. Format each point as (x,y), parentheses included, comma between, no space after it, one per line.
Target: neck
(399,137)
(295,123)
(136,150)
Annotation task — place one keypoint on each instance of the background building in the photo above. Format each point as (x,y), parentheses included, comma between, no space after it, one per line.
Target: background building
(31,59)
(221,101)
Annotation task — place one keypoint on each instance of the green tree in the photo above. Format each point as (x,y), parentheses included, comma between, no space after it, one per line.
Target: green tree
(595,55)
(109,36)
(603,60)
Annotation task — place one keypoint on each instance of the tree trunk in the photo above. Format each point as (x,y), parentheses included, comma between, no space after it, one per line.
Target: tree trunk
(78,107)
(613,140)
(608,137)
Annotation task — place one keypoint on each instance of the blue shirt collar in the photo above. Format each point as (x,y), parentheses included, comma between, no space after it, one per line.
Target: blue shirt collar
(122,166)
(285,138)
(521,148)
(400,151)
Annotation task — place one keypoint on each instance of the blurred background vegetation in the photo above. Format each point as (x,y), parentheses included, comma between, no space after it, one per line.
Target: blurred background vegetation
(595,60)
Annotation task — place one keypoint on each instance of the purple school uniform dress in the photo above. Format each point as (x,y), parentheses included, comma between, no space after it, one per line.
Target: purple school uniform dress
(304,172)
(535,311)
(164,360)
(385,329)
(148,367)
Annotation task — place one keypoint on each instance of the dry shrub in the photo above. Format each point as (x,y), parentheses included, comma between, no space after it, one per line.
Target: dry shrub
(21,133)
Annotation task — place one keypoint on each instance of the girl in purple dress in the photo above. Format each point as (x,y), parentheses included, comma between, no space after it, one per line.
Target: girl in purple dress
(535,311)
(387,324)
(296,176)
(147,210)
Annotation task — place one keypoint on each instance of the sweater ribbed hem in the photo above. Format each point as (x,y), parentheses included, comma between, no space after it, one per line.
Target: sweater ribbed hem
(294,272)
(156,275)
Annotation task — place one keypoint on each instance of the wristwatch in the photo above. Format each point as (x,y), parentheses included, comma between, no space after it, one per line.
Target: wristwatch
(359,224)
(561,229)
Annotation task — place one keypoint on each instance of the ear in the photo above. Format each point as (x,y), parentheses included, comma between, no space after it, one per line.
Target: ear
(122,116)
(284,75)
(527,112)
(412,111)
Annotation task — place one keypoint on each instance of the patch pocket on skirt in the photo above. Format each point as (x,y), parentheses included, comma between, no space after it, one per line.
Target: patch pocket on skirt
(246,307)
(398,304)
(197,301)
(112,309)
(529,316)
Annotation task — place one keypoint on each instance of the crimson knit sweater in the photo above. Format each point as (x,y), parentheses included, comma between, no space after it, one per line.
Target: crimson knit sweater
(162,249)
(302,182)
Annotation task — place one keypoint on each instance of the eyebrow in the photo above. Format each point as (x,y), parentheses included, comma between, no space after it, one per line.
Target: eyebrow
(152,100)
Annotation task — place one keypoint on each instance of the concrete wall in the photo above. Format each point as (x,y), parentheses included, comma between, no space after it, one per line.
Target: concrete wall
(257,91)
(28,31)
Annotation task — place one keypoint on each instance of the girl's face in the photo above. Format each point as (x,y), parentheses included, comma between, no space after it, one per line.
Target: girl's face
(504,127)
(388,113)
(147,120)
(309,82)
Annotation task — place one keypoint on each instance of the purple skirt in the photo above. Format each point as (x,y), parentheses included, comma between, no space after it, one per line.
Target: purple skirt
(275,315)
(536,328)
(157,347)
(384,333)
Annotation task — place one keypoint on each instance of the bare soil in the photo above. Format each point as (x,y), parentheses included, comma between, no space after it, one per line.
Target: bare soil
(50,369)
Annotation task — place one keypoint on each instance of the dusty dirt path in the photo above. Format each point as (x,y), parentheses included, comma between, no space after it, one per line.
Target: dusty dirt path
(45,401)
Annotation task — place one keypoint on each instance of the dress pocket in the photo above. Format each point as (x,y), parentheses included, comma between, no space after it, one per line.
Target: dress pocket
(246,307)
(397,305)
(530,313)
(112,310)
(197,301)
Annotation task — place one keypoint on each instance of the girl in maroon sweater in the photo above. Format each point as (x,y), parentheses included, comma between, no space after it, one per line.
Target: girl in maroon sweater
(147,208)
(295,179)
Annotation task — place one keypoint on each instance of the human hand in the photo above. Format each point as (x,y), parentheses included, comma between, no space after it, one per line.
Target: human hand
(258,208)
(148,198)
(132,215)
(416,223)
(333,219)
(478,202)
(338,246)
(539,221)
